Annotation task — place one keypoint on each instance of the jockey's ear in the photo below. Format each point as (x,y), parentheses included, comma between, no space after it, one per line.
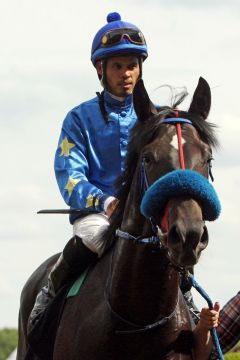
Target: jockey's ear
(201,102)
(142,104)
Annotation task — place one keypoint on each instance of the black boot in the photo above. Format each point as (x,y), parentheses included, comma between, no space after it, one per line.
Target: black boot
(76,257)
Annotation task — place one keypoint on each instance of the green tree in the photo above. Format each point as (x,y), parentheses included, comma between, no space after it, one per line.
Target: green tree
(232,356)
(8,342)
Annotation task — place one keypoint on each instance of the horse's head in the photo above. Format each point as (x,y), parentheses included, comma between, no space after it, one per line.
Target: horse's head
(181,202)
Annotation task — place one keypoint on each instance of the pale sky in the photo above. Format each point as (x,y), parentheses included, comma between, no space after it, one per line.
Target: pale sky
(46,70)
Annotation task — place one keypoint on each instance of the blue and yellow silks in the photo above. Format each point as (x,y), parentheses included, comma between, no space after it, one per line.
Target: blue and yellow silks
(91,152)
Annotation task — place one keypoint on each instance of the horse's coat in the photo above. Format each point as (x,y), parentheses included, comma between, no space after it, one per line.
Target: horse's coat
(133,286)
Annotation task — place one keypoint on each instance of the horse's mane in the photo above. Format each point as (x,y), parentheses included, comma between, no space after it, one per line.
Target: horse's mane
(142,134)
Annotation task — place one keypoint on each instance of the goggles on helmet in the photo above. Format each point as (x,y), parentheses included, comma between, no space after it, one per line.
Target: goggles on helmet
(118,37)
(115,36)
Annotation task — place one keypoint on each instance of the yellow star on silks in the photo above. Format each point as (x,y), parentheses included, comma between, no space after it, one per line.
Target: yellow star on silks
(89,202)
(96,202)
(66,146)
(71,185)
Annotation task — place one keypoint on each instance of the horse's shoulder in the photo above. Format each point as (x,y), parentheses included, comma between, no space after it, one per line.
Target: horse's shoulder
(94,283)
(102,268)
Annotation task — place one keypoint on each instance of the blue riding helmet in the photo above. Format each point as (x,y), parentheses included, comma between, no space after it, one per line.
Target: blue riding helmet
(116,38)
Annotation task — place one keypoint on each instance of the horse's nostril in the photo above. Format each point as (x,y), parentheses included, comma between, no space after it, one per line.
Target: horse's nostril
(204,237)
(175,237)
(190,237)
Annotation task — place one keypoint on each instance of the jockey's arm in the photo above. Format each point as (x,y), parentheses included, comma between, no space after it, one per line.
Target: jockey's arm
(72,170)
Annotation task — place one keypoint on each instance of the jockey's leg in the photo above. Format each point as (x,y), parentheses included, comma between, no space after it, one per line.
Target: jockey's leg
(90,229)
(80,251)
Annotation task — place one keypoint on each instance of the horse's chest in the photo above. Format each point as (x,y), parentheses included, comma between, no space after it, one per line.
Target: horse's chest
(102,343)
(154,345)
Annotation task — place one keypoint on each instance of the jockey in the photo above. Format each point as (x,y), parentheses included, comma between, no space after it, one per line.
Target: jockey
(92,148)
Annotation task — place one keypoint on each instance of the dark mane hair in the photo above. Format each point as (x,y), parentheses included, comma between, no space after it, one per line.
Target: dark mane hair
(141,135)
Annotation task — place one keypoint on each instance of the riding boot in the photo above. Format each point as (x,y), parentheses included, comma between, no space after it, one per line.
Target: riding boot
(76,257)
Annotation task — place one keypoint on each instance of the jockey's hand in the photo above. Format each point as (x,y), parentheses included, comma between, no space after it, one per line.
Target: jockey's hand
(111,207)
(209,318)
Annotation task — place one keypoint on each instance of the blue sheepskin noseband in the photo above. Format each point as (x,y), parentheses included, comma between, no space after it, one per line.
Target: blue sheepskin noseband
(181,183)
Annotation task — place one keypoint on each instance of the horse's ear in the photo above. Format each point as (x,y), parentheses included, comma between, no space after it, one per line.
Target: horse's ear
(143,106)
(201,102)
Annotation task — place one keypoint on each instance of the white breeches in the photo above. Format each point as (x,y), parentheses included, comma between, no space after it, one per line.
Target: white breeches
(89,229)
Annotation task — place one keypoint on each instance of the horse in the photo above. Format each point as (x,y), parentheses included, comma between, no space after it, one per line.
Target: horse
(130,306)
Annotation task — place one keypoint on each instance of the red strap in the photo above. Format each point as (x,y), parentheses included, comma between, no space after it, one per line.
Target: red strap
(164,223)
(180,147)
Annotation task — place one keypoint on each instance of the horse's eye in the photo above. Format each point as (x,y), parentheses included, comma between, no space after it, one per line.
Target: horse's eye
(210,160)
(146,159)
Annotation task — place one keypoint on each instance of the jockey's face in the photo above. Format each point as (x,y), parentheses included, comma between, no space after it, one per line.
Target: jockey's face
(122,74)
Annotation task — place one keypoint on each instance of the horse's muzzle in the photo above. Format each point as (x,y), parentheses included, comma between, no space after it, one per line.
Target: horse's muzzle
(185,243)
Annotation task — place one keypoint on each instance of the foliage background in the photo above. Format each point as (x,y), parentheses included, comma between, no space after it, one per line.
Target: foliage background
(8,342)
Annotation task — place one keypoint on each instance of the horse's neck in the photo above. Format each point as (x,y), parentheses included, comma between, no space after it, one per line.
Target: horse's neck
(143,285)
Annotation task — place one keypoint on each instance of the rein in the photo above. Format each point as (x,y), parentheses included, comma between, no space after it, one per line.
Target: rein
(153,240)
(213,331)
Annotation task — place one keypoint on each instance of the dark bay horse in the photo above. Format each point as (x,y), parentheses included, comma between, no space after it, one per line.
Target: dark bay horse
(130,306)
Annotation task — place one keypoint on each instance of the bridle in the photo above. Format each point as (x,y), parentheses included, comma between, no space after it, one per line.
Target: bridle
(144,185)
(155,239)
